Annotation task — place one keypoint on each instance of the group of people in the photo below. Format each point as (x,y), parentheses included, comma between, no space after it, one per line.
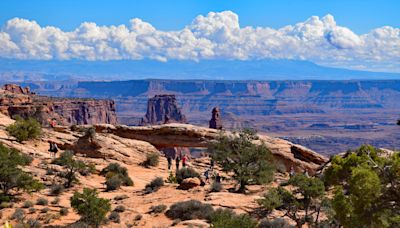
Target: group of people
(184,158)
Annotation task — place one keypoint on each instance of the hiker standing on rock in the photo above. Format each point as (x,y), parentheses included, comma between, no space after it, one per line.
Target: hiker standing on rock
(169,159)
(184,160)
(53,149)
(177,160)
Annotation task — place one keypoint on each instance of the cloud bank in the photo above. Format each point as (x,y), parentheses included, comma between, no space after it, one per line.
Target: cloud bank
(215,36)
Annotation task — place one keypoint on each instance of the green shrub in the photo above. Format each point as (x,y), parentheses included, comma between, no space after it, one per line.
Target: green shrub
(90,132)
(56,189)
(216,187)
(27,204)
(186,173)
(42,201)
(64,211)
(138,217)
(272,199)
(115,170)
(55,201)
(154,185)
(152,160)
(276,223)
(25,129)
(72,166)
(32,210)
(45,210)
(119,209)
(249,163)
(121,197)
(19,215)
(158,209)
(113,183)
(171,178)
(90,207)
(189,210)
(114,217)
(12,177)
(33,223)
(227,218)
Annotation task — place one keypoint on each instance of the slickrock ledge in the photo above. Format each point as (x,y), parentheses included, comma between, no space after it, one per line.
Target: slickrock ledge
(287,154)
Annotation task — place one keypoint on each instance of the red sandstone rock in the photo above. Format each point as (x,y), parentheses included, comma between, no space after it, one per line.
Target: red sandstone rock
(215,121)
(15,100)
(163,109)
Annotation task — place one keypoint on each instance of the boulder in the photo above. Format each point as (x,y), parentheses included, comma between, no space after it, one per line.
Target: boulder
(189,183)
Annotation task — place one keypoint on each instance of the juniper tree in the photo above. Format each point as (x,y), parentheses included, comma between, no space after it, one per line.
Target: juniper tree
(249,163)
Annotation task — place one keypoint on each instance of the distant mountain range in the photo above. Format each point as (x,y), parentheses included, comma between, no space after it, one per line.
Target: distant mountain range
(33,70)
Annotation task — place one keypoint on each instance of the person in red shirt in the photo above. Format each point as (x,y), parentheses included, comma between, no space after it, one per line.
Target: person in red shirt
(184,160)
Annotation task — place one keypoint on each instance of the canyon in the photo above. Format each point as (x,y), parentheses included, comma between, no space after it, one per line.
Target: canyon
(327,116)
(18,101)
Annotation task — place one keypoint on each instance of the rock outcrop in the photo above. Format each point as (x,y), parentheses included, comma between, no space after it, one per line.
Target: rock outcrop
(287,154)
(15,100)
(163,109)
(215,122)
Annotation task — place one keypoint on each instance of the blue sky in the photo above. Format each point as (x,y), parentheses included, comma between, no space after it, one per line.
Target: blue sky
(353,34)
(358,15)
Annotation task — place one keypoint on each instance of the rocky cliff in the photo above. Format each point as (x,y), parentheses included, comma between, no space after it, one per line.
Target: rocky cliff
(163,109)
(359,111)
(15,100)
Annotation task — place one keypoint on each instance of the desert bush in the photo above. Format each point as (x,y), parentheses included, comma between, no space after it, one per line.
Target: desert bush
(25,129)
(189,210)
(19,215)
(56,189)
(90,207)
(113,183)
(90,132)
(152,160)
(186,173)
(64,211)
(119,209)
(27,204)
(115,170)
(72,166)
(138,217)
(31,210)
(12,177)
(121,197)
(33,223)
(248,162)
(114,217)
(154,185)
(227,218)
(171,178)
(216,187)
(42,201)
(272,199)
(45,210)
(157,209)
(88,169)
(79,224)
(55,201)
(275,223)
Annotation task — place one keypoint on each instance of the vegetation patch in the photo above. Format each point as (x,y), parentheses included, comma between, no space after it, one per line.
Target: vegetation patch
(25,129)
(185,173)
(90,207)
(152,160)
(154,185)
(189,210)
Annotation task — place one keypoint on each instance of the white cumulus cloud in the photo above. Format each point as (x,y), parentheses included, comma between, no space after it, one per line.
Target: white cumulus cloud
(214,36)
